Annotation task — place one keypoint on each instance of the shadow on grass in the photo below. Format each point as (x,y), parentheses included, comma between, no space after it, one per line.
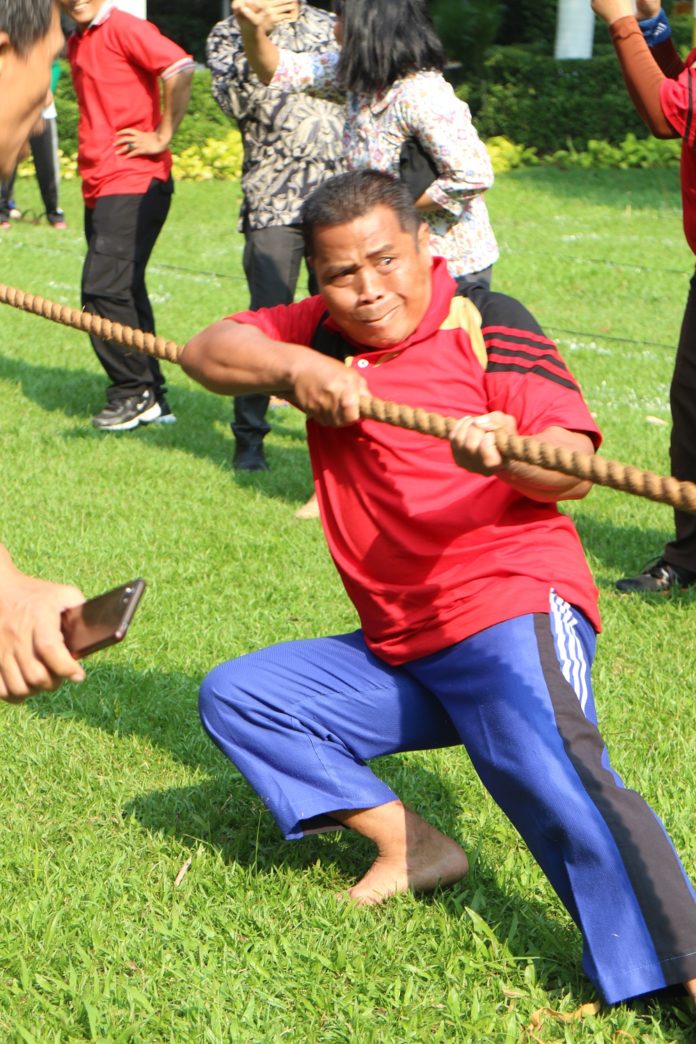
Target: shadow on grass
(623,550)
(224,813)
(77,393)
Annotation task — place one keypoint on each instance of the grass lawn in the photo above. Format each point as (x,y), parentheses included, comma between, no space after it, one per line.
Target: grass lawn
(107,789)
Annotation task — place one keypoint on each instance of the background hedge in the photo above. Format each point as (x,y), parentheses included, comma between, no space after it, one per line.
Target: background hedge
(514,87)
(537,101)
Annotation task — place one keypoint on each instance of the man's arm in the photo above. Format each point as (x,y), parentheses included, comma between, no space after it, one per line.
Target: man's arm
(233,358)
(474,448)
(175,98)
(641,72)
(33,655)
(229,70)
(262,53)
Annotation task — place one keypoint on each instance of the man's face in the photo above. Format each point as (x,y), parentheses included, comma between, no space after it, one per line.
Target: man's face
(82,11)
(24,83)
(373,276)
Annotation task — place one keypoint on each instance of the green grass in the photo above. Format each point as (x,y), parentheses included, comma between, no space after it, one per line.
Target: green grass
(108,788)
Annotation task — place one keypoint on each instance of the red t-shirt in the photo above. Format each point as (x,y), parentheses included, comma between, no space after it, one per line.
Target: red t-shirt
(428,552)
(678,100)
(116,64)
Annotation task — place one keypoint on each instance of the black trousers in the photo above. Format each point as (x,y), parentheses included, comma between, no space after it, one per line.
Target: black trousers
(681,551)
(121,232)
(272,259)
(44,149)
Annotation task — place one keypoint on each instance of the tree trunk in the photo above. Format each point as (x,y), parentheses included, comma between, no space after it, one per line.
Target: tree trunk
(574,29)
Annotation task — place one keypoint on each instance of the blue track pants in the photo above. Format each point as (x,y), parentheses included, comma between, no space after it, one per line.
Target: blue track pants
(300,720)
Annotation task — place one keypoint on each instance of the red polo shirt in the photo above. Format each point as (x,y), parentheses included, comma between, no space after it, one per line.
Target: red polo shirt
(678,100)
(116,64)
(428,552)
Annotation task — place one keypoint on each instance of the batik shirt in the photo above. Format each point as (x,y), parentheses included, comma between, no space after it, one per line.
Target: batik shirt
(292,142)
(425,107)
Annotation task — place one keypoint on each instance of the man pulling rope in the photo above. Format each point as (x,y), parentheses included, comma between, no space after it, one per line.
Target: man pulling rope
(477,610)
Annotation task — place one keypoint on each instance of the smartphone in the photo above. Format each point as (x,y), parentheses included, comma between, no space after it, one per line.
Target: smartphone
(101,621)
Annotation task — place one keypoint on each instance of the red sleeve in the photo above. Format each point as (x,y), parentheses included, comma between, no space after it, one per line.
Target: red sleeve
(293,324)
(526,375)
(144,45)
(668,58)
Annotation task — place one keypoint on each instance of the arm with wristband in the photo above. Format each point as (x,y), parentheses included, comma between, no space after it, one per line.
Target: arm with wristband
(646,55)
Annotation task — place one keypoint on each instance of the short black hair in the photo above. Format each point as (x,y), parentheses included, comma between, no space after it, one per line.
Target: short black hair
(349,196)
(25,22)
(385,40)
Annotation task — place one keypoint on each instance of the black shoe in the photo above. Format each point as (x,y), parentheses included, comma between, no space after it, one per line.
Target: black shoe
(126,414)
(658,577)
(249,456)
(56,218)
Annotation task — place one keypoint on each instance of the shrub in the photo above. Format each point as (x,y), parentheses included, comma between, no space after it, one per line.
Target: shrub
(467,28)
(532,98)
(505,155)
(217,159)
(630,153)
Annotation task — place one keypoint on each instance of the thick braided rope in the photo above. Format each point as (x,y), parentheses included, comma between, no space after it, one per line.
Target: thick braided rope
(587,466)
(91,324)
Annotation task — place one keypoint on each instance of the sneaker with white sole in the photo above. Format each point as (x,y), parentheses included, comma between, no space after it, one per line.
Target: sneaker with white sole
(658,577)
(126,414)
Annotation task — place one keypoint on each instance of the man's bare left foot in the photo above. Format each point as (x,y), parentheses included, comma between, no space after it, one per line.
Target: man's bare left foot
(412,854)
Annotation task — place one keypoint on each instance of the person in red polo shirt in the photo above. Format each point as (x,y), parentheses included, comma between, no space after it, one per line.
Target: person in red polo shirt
(663,89)
(118,64)
(477,609)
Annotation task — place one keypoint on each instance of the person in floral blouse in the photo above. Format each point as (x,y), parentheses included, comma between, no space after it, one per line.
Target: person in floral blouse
(389,72)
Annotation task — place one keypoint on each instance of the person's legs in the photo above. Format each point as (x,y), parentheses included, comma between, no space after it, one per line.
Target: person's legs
(44,149)
(521,699)
(676,567)
(121,232)
(271,259)
(681,552)
(6,201)
(299,720)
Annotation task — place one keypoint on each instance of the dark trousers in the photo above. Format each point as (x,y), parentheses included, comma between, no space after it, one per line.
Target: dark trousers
(44,149)
(681,552)
(272,259)
(121,232)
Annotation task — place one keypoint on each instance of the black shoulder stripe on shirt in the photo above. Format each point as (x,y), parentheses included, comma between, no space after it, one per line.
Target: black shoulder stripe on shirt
(540,371)
(330,342)
(502,312)
(551,356)
(515,336)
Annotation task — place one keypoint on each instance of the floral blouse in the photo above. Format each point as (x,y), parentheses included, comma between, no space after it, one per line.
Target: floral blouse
(422,105)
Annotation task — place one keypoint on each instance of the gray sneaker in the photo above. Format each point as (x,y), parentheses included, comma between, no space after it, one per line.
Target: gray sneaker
(126,414)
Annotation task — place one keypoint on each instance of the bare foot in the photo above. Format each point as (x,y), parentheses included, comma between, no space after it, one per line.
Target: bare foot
(412,854)
(310,509)
(690,987)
